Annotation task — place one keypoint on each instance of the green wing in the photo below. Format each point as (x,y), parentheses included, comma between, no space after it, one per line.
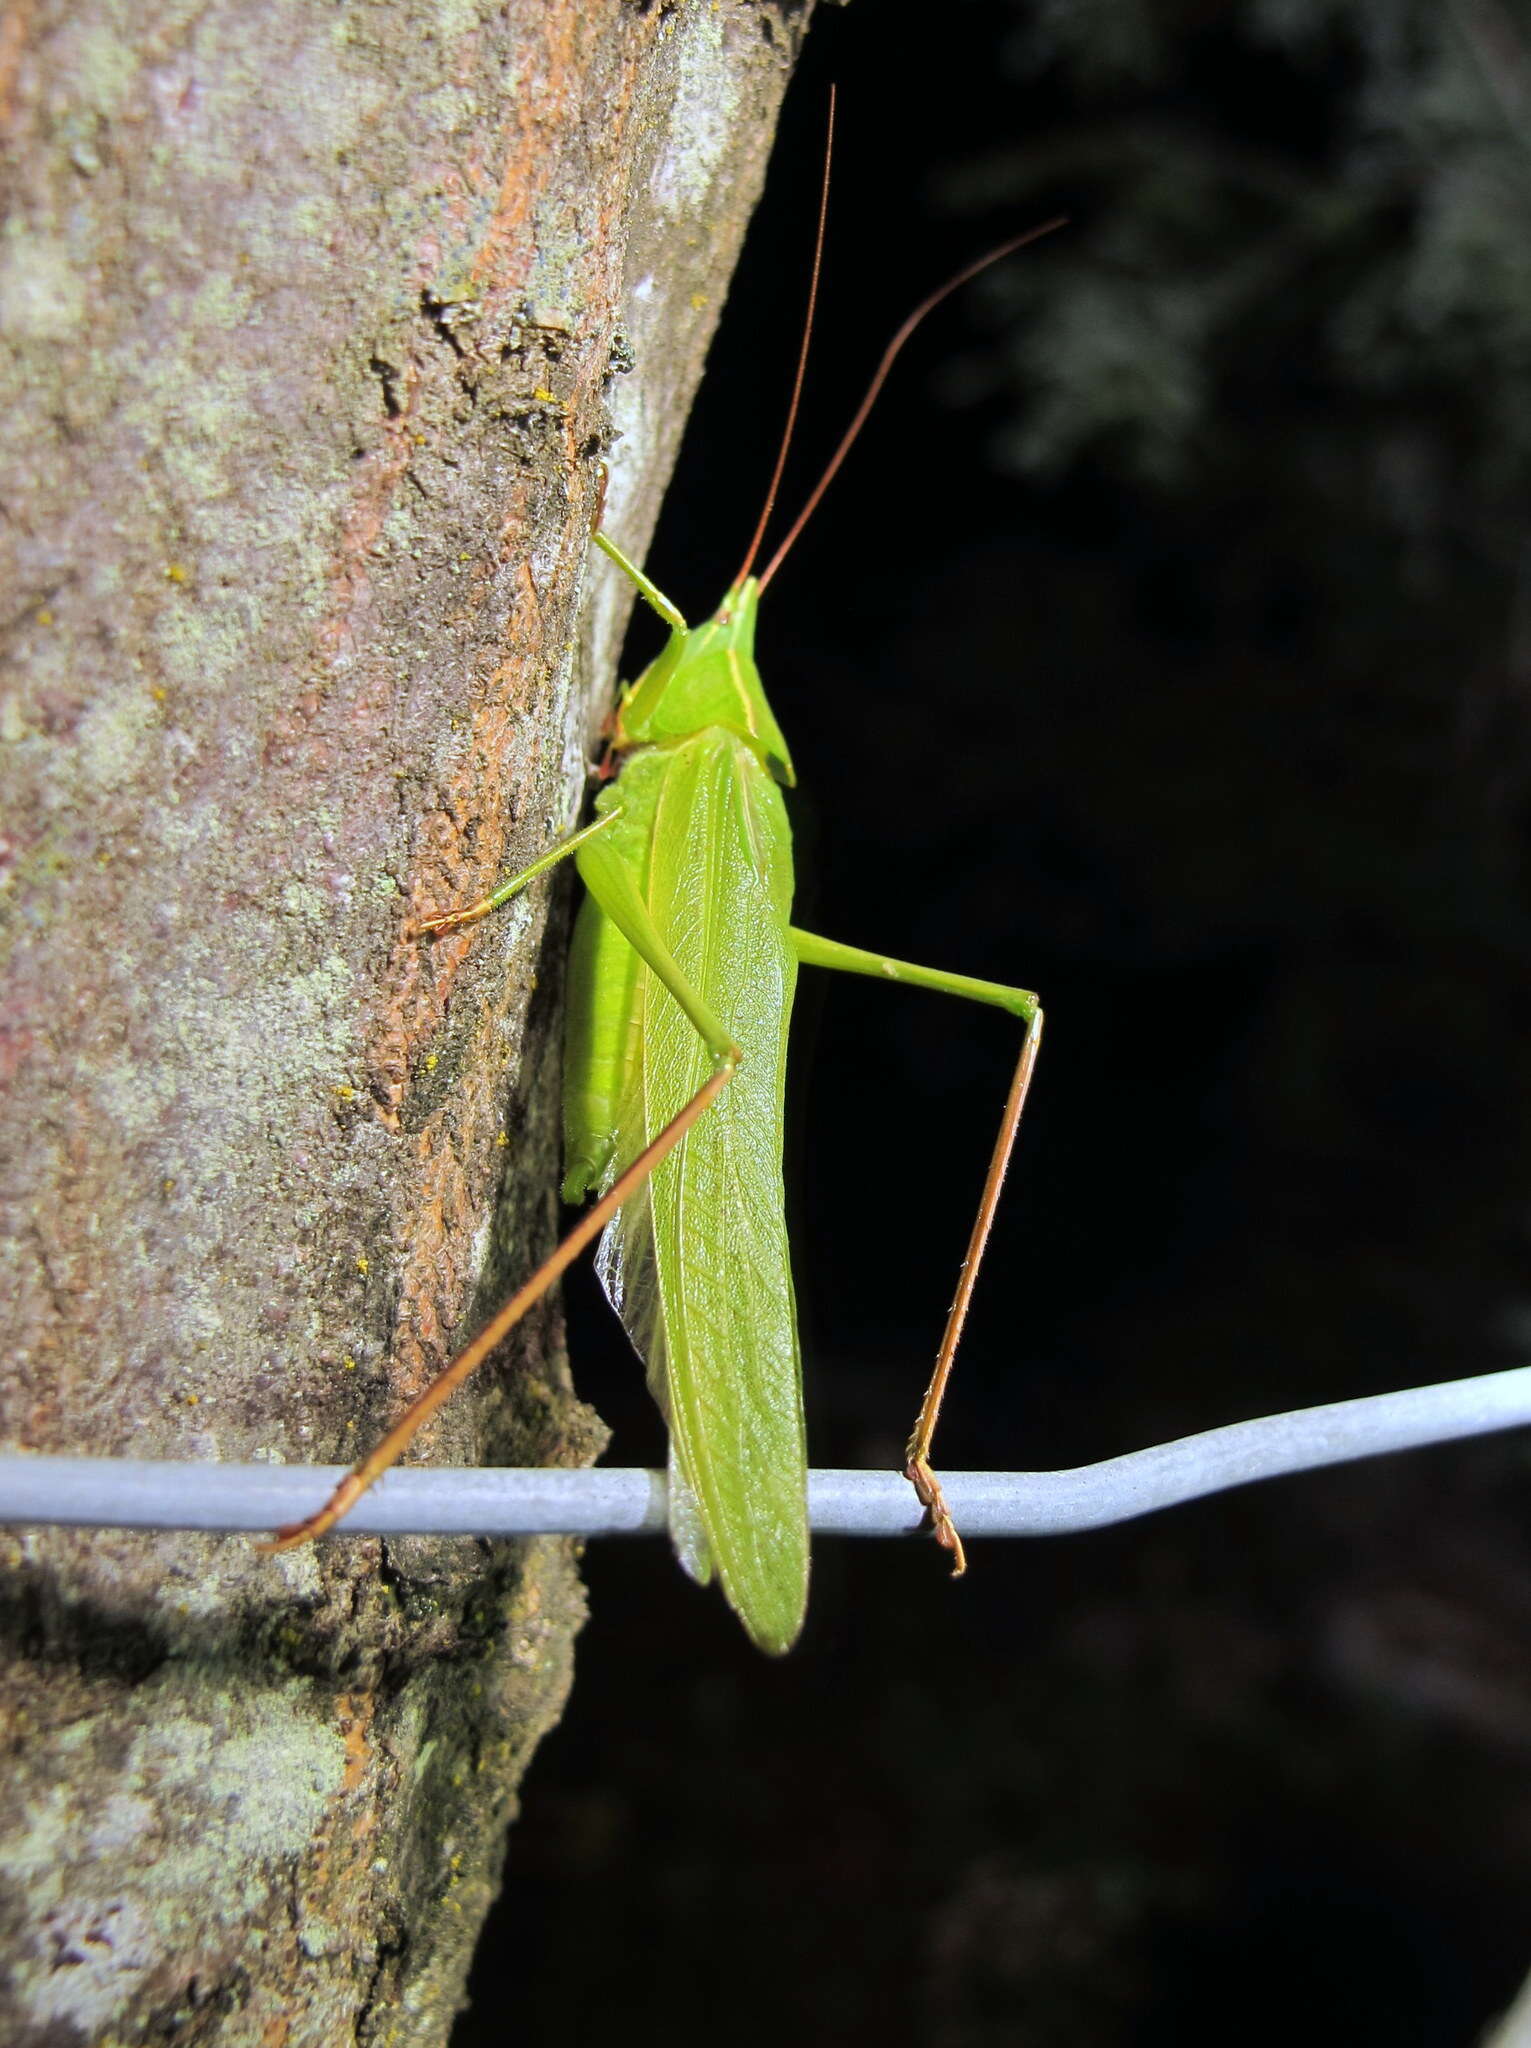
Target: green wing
(697,1266)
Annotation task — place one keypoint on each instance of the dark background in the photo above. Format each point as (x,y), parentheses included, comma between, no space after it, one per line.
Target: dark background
(1166,646)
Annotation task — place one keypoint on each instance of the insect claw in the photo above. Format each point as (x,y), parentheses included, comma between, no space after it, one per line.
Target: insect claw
(928,1492)
(340,1502)
(441,921)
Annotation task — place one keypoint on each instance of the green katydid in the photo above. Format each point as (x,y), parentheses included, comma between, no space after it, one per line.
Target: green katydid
(681,983)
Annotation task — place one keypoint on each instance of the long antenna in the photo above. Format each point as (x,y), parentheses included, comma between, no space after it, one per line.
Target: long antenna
(880,377)
(802,356)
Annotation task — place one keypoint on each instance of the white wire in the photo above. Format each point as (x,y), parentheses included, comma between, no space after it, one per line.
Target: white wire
(415,1500)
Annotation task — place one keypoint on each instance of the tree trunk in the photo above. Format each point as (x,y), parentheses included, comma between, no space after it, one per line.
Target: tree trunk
(315,323)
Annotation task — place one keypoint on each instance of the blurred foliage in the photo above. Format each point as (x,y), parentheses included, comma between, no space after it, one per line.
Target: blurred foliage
(1331,196)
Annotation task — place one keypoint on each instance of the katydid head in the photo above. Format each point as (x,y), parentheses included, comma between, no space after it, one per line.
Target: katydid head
(706,676)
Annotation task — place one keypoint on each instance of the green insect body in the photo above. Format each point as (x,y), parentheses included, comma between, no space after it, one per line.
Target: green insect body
(685,961)
(698,862)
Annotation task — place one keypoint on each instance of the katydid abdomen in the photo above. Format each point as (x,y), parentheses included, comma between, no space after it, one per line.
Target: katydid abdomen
(696,1264)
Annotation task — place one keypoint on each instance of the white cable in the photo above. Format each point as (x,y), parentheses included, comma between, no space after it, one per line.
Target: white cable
(127,1493)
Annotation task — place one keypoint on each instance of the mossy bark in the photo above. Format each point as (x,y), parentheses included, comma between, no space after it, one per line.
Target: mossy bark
(313,327)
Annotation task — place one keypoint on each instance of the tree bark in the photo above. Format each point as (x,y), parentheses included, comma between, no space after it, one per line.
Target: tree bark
(313,326)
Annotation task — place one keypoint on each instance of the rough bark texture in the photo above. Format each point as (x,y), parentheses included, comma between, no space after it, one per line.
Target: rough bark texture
(312,321)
